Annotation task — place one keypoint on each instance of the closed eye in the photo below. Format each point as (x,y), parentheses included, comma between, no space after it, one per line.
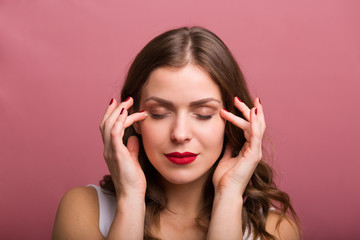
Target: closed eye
(204,117)
(158,116)
(205,112)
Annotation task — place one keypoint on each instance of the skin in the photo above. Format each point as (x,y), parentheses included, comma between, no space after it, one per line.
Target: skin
(182,118)
(173,120)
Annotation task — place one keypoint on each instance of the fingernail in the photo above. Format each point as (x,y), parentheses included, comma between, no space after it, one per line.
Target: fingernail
(238,99)
(225,110)
(259,101)
(122,110)
(256,111)
(111,101)
(127,99)
(145,112)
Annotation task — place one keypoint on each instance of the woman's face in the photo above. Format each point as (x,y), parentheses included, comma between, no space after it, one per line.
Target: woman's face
(183,133)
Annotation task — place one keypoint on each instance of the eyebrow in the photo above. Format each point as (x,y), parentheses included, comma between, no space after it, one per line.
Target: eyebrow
(192,104)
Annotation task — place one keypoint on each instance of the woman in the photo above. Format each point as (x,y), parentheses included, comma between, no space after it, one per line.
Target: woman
(184,150)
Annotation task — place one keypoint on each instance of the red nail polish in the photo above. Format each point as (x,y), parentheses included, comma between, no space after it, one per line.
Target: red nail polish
(122,110)
(127,99)
(111,101)
(225,110)
(259,101)
(238,99)
(142,111)
(256,111)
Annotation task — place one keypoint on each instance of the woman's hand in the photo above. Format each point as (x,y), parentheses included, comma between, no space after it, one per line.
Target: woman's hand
(233,173)
(122,161)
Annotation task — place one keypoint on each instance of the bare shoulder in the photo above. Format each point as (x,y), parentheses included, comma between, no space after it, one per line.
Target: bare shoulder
(77,216)
(287,228)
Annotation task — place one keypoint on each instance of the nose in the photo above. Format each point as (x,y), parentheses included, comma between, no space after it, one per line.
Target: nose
(181,132)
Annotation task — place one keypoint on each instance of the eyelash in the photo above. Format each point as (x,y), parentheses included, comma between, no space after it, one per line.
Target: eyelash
(158,116)
(162,116)
(202,117)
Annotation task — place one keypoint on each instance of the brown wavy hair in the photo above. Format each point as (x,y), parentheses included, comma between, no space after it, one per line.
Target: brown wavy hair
(198,46)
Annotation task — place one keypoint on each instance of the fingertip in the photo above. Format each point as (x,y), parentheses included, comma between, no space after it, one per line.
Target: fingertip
(144,113)
(139,116)
(109,109)
(259,106)
(238,103)
(144,116)
(257,102)
(112,102)
(129,99)
(128,102)
(224,113)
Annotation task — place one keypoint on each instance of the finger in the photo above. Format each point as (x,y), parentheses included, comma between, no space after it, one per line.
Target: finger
(253,153)
(133,147)
(139,116)
(260,113)
(256,131)
(115,113)
(109,122)
(237,121)
(117,130)
(245,110)
(109,110)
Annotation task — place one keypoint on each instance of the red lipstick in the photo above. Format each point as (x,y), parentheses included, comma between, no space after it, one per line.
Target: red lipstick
(181,158)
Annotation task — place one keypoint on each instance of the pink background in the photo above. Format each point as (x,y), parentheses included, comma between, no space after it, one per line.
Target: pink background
(62,61)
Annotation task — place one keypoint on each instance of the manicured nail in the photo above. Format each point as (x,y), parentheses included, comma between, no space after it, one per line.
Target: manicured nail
(127,99)
(122,110)
(259,101)
(238,99)
(145,112)
(256,111)
(111,101)
(225,110)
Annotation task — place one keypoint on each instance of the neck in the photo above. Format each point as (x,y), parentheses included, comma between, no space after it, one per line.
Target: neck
(187,198)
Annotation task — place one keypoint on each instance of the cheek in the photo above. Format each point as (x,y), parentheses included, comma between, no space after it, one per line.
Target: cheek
(153,133)
(212,134)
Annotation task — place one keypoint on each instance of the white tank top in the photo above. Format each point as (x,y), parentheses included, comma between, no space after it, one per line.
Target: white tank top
(107,208)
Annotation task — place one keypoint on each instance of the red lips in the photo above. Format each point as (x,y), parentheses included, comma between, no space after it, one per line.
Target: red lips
(181,158)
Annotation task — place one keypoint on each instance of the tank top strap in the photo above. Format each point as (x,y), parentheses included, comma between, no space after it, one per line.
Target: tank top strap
(107,208)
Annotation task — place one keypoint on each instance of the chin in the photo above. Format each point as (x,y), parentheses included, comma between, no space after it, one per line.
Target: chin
(183,178)
(179,181)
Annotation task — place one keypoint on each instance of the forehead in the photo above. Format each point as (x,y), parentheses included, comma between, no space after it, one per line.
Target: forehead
(189,83)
